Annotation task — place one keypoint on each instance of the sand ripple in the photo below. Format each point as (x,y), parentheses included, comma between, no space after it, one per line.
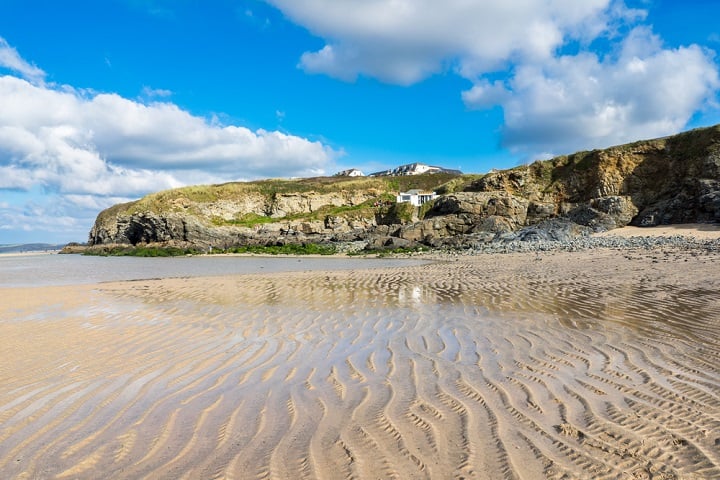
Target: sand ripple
(475,369)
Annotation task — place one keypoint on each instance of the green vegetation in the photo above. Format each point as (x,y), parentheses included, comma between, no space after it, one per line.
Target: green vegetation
(367,209)
(248,220)
(401,212)
(288,249)
(424,209)
(177,199)
(388,252)
(155,251)
(542,171)
(457,184)
(584,160)
(430,181)
(696,143)
(144,251)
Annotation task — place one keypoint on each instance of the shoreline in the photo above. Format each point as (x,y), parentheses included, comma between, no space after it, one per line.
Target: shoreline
(704,237)
(680,235)
(29,253)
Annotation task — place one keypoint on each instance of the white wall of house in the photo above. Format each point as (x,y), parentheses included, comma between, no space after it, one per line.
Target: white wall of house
(415,197)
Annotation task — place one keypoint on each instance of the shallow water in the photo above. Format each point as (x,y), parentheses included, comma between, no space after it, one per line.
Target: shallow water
(54,269)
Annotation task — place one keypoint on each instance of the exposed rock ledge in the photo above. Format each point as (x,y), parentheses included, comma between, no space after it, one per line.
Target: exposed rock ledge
(664,181)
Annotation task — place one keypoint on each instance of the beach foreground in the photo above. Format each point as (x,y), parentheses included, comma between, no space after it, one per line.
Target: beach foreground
(595,364)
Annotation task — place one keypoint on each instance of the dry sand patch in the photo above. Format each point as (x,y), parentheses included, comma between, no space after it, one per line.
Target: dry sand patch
(700,231)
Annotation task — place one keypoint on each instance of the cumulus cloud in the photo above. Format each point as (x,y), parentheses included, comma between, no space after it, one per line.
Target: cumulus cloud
(568,74)
(585,101)
(404,42)
(103,144)
(86,150)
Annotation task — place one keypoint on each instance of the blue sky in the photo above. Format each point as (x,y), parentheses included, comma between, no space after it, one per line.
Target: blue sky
(103,102)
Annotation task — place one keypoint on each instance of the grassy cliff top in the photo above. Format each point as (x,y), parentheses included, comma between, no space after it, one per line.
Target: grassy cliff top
(167,200)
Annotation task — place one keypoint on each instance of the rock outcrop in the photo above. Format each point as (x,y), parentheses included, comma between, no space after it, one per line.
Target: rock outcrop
(662,181)
(214,223)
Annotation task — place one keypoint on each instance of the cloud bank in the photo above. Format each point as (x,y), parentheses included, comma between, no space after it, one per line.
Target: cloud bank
(102,144)
(93,149)
(567,74)
(585,101)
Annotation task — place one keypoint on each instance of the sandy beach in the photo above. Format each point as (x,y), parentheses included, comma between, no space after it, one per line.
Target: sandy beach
(600,364)
(699,231)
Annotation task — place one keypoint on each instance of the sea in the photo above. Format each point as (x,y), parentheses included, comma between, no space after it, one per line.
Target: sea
(49,269)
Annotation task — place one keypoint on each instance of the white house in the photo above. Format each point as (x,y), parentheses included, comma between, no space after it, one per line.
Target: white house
(352,172)
(416,197)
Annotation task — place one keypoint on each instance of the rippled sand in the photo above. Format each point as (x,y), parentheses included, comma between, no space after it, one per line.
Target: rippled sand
(571,365)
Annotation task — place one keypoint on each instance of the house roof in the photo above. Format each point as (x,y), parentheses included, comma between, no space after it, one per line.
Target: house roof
(417,191)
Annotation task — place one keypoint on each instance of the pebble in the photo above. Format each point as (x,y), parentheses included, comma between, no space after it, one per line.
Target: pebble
(585,243)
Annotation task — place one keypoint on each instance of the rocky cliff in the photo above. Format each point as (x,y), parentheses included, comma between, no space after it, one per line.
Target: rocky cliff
(265,212)
(669,180)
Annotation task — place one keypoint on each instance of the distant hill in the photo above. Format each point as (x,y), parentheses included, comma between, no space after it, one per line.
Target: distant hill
(415,169)
(30,247)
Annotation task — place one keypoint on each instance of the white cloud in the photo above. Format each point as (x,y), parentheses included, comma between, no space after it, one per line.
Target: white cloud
(148,92)
(104,144)
(584,101)
(403,41)
(485,94)
(86,150)
(52,219)
(11,59)
(619,83)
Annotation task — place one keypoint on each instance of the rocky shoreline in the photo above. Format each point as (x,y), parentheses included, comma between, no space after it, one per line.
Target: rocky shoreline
(528,240)
(590,243)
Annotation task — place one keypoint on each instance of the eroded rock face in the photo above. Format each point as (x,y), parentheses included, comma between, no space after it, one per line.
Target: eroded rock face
(604,213)
(297,203)
(670,180)
(148,227)
(227,209)
(483,204)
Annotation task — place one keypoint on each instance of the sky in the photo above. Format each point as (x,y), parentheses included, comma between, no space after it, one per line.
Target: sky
(102,102)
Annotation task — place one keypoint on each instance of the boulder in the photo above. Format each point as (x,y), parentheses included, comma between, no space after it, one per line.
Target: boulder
(558,230)
(482,204)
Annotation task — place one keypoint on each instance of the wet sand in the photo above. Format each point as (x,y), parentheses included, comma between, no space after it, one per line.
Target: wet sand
(602,364)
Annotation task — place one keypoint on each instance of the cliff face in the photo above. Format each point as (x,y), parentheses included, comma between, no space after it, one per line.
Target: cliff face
(213,222)
(669,180)
(663,181)
(266,212)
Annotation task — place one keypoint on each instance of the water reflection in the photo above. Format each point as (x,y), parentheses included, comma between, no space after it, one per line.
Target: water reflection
(654,313)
